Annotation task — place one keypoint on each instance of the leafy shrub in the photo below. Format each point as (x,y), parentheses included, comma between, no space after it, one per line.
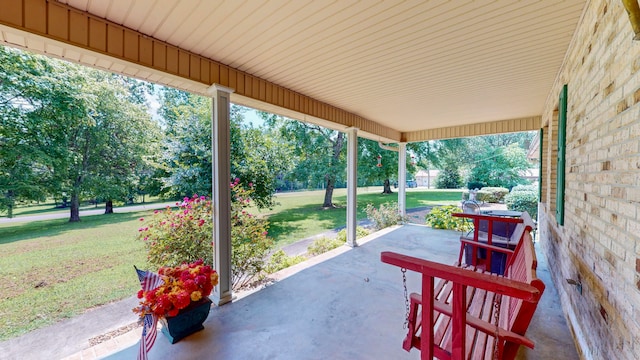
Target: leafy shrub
(360,233)
(174,237)
(324,244)
(475,185)
(280,260)
(249,241)
(525,188)
(440,218)
(484,196)
(523,200)
(492,194)
(384,216)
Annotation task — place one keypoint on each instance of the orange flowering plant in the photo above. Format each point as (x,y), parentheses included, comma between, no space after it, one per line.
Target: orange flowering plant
(181,285)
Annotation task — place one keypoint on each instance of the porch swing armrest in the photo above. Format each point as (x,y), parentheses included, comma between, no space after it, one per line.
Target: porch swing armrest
(462,276)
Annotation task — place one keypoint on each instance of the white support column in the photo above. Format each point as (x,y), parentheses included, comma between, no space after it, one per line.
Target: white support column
(220,139)
(402,178)
(352,185)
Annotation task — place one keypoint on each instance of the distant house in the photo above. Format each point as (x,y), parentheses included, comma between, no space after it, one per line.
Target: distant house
(426,178)
(532,175)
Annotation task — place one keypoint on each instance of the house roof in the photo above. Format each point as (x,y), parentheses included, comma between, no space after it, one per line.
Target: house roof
(410,70)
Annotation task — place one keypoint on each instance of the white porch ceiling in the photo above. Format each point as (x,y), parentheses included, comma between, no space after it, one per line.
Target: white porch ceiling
(408,65)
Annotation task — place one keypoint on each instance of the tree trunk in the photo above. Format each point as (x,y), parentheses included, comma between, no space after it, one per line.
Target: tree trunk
(328,193)
(387,187)
(75,208)
(108,207)
(338,144)
(10,203)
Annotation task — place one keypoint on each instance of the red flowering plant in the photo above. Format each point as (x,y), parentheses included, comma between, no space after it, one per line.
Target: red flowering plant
(181,285)
(175,236)
(183,235)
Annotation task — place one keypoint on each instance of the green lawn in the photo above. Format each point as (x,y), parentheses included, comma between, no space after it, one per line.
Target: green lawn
(53,269)
(300,215)
(50,270)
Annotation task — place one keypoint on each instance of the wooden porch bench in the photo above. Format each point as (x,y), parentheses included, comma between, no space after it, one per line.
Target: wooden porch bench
(462,306)
(469,244)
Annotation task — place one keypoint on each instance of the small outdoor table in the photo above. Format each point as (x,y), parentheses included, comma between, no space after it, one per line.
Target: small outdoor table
(504,213)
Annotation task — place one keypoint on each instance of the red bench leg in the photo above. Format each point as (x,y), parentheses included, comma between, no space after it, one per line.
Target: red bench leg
(414,322)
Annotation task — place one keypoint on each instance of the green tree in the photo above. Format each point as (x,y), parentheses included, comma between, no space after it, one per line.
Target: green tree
(258,156)
(377,165)
(107,142)
(83,130)
(425,154)
(452,155)
(319,152)
(185,164)
(449,177)
(500,167)
(130,127)
(24,173)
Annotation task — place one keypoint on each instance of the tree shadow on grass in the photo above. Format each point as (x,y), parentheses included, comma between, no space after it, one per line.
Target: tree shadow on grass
(296,220)
(293,224)
(13,232)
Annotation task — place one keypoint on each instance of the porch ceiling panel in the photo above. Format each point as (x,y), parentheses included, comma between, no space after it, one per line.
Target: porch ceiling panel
(411,66)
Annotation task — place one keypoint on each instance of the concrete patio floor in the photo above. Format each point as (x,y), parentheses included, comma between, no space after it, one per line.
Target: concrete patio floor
(345,304)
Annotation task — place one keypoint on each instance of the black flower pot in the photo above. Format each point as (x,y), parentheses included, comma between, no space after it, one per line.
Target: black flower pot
(188,321)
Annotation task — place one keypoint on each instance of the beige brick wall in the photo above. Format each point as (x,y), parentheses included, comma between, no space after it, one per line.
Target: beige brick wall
(599,244)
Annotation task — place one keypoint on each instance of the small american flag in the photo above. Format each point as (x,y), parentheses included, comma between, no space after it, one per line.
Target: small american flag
(148,281)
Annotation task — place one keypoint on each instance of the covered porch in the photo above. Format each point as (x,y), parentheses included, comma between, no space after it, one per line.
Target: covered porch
(345,304)
(400,73)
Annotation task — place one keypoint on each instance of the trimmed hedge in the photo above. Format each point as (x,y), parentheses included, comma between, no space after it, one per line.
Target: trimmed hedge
(492,194)
(523,200)
(525,188)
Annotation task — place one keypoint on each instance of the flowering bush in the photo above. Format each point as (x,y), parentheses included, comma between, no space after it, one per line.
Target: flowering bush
(182,285)
(173,237)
